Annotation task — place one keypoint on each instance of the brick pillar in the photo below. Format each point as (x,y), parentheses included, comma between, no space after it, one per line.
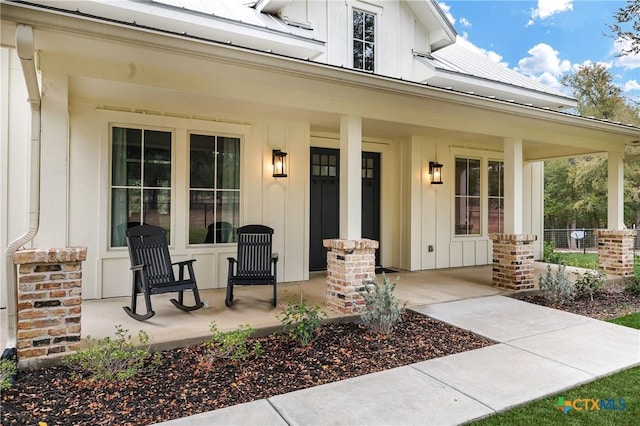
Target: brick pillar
(49,300)
(513,261)
(615,251)
(349,263)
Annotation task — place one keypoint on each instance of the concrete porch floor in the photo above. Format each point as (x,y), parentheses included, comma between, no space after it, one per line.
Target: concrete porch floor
(171,327)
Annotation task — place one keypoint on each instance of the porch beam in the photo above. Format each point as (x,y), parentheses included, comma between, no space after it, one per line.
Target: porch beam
(615,192)
(513,186)
(350,177)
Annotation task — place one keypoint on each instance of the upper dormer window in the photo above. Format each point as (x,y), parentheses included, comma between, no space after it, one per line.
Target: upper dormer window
(364,36)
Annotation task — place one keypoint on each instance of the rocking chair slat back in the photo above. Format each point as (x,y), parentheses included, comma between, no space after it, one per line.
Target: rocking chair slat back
(152,250)
(254,254)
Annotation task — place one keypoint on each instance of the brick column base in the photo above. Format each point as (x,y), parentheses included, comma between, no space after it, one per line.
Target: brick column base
(349,263)
(615,251)
(513,261)
(49,300)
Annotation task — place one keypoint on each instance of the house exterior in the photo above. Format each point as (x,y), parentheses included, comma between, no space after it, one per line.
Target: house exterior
(168,112)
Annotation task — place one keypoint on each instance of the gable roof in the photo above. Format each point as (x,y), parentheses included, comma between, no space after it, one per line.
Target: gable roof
(463,70)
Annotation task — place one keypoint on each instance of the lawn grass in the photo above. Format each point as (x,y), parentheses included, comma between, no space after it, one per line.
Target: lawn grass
(580,260)
(624,385)
(632,320)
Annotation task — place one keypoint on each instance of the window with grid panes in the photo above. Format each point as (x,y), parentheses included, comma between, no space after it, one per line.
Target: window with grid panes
(214,189)
(495,218)
(467,197)
(364,26)
(140,180)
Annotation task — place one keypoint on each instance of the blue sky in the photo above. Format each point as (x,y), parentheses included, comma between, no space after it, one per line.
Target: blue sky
(544,39)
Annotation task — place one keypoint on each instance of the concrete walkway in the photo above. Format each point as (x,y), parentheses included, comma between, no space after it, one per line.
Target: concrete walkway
(539,352)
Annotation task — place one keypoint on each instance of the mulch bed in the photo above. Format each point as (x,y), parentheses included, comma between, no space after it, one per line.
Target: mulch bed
(612,301)
(186,384)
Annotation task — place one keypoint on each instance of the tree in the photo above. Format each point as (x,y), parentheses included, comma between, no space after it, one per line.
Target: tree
(597,95)
(576,188)
(627,27)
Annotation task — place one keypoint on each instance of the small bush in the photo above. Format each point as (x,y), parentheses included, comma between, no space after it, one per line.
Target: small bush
(549,254)
(382,309)
(233,344)
(112,359)
(589,283)
(301,321)
(633,284)
(557,288)
(8,370)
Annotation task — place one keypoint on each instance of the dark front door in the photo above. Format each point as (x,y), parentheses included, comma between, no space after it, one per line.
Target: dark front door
(371,198)
(324,221)
(324,204)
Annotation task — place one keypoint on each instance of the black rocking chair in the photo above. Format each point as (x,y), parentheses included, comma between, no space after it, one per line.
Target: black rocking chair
(153,271)
(255,264)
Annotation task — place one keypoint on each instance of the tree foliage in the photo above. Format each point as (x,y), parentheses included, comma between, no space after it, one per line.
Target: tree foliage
(576,188)
(597,95)
(627,27)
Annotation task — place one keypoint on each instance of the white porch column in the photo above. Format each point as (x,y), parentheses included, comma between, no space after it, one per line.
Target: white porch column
(513,186)
(350,177)
(615,194)
(54,164)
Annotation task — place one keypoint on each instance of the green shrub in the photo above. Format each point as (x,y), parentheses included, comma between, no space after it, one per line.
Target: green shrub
(589,283)
(633,284)
(557,288)
(112,359)
(8,370)
(301,321)
(382,309)
(233,344)
(549,254)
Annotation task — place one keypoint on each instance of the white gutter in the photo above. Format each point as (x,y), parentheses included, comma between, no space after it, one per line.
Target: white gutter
(24,46)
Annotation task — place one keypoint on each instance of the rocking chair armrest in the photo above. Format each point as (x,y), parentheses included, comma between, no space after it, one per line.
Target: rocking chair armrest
(232,260)
(184,262)
(136,268)
(274,257)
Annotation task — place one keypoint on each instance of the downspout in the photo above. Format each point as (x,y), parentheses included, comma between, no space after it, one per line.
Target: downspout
(25,49)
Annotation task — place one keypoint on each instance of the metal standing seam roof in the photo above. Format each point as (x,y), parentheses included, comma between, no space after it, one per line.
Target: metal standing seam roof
(460,60)
(234,11)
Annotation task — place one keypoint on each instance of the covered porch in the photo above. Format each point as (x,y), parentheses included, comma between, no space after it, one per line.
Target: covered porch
(173,328)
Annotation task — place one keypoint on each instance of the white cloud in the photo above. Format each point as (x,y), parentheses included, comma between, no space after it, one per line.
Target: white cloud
(576,67)
(465,22)
(628,62)
(446,9)
(548,8)
(631,85)
(464,42)
(543,59)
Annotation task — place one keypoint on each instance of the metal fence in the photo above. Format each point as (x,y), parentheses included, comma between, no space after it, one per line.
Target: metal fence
(577,239)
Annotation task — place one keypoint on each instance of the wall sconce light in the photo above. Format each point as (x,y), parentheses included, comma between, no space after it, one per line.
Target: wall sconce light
(279,161)
(435,170)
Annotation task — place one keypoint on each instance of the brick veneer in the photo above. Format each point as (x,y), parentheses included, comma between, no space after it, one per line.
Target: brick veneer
(615,251)
(513,261)
(49,300)
(349,263)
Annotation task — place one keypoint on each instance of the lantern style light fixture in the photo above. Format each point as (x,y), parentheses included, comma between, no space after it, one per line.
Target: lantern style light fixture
(279,161)
(435,170)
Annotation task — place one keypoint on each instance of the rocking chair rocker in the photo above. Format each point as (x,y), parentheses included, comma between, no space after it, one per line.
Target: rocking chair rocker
(153,271)
(255,264)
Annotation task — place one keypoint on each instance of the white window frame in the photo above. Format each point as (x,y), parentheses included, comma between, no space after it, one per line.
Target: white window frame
(371,10)
(484,156)
(172,188)
(188,188)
